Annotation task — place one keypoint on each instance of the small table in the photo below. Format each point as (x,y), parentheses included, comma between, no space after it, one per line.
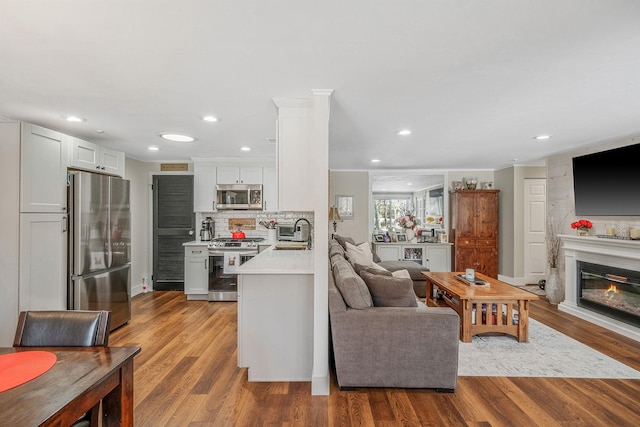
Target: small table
(81,378)
(482,309)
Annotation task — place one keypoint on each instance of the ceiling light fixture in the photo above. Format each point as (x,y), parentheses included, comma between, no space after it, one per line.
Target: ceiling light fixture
(403,132)
(75,119)
(409,183)
(245,148)
(375,160)
(212,119)
(177,137)
(542,137)
(153,148)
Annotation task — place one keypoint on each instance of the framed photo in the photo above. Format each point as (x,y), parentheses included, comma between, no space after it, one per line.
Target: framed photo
(402,237)
(345,207)
(444,238)
(378,237)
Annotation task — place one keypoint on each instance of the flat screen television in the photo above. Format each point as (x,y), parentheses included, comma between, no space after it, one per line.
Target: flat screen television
(608,183)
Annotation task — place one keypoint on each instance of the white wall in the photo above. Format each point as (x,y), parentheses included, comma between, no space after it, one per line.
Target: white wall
(354,184)
(138,174)
(9,229)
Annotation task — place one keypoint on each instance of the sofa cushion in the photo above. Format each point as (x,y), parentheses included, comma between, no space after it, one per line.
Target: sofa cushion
(401,273)
(335,249)
(390,291)
(352,287)
(360,254)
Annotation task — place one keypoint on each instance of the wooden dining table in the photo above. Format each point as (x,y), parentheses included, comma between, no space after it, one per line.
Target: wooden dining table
(80,379)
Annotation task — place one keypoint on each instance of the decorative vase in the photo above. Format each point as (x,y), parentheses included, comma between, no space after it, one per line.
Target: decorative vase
(271,235)
(410,234)
(582,232)
(553,287)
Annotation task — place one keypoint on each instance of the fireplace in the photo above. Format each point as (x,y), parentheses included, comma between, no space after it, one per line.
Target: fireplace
(611,291)
(617,269)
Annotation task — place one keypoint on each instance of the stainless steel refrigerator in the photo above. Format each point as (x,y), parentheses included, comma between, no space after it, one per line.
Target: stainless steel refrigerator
(99,245)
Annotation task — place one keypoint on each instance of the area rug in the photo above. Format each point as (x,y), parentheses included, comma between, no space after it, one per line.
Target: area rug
(548,353)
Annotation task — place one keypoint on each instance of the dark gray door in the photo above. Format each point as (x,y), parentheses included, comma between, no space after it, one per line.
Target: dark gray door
(173,224)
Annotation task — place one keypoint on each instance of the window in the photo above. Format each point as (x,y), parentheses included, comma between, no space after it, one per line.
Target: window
(388,208)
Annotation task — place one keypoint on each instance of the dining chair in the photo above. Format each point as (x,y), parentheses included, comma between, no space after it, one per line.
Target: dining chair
(69,328)
(72,328)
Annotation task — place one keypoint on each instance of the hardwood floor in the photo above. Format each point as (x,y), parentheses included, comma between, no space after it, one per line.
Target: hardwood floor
(187,375)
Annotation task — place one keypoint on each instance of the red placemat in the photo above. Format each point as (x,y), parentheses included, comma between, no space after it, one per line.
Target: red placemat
(18,368)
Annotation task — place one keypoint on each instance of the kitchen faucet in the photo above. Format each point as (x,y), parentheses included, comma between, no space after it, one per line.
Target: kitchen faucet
(295,228)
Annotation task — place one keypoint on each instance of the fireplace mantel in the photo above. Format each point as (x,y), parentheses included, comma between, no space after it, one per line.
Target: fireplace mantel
(612,252)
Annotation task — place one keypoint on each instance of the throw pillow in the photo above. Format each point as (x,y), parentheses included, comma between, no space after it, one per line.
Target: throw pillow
(401,273)
(355,292)
(360,254)
(343,241)
(390,291)
(359,267)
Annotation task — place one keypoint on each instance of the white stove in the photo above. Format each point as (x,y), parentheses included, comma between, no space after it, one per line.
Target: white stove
(227,243)
(222,278)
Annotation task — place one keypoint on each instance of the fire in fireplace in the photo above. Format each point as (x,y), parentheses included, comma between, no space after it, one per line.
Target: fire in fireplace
(611,291)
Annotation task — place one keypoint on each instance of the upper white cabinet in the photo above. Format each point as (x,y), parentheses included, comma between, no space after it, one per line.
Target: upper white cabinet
(43,170)
(204,187)
(92,157)
(269,189)
(239,175)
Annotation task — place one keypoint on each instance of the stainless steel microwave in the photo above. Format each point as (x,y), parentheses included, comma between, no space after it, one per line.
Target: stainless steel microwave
(287,232)
(239,196)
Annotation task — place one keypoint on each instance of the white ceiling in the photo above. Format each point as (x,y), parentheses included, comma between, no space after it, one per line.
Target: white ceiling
(473,80)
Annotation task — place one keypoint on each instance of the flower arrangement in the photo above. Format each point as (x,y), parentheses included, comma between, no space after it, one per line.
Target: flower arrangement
(582,225)
(408,221)
(269,225)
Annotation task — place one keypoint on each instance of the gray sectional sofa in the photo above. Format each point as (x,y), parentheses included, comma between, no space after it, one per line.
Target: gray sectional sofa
(404,345)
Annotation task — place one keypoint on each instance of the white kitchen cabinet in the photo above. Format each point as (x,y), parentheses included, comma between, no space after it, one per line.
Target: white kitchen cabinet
(44,155)
(196,272)
(269,189)
(92,157)
(239,175)
(204,187)
(43,262)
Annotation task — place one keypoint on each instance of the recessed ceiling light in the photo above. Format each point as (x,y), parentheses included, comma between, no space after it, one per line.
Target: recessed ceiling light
(73,118)
(99,131)
(375,160)
(403,132)
(210,119)
(177,137)
(153,148)
(245,148)
(542,137)
(409,183)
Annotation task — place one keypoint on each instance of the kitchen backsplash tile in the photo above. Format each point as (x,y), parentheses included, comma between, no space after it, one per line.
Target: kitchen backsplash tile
(221,220)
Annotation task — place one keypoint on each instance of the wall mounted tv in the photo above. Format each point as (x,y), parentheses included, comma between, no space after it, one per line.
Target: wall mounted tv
(608,183)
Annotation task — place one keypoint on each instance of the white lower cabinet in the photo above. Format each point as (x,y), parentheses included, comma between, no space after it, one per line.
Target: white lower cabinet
(434,256)
(43,262)
(196,272)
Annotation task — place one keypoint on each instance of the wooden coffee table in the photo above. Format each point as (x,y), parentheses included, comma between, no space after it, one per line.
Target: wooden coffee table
(482,309)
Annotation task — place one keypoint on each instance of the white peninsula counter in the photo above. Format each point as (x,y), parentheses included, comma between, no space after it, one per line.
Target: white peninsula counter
(275,315)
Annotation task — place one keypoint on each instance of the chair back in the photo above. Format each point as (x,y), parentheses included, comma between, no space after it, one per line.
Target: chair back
(72,328)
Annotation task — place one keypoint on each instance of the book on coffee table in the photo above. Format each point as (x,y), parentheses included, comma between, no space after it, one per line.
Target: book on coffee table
(475,281)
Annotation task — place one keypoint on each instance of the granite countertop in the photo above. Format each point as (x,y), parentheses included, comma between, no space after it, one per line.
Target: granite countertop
(272,261)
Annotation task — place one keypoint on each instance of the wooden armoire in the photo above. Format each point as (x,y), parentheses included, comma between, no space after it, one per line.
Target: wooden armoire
(474,230)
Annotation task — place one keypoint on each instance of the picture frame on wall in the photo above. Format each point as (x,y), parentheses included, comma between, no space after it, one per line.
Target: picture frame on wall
(345,207)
